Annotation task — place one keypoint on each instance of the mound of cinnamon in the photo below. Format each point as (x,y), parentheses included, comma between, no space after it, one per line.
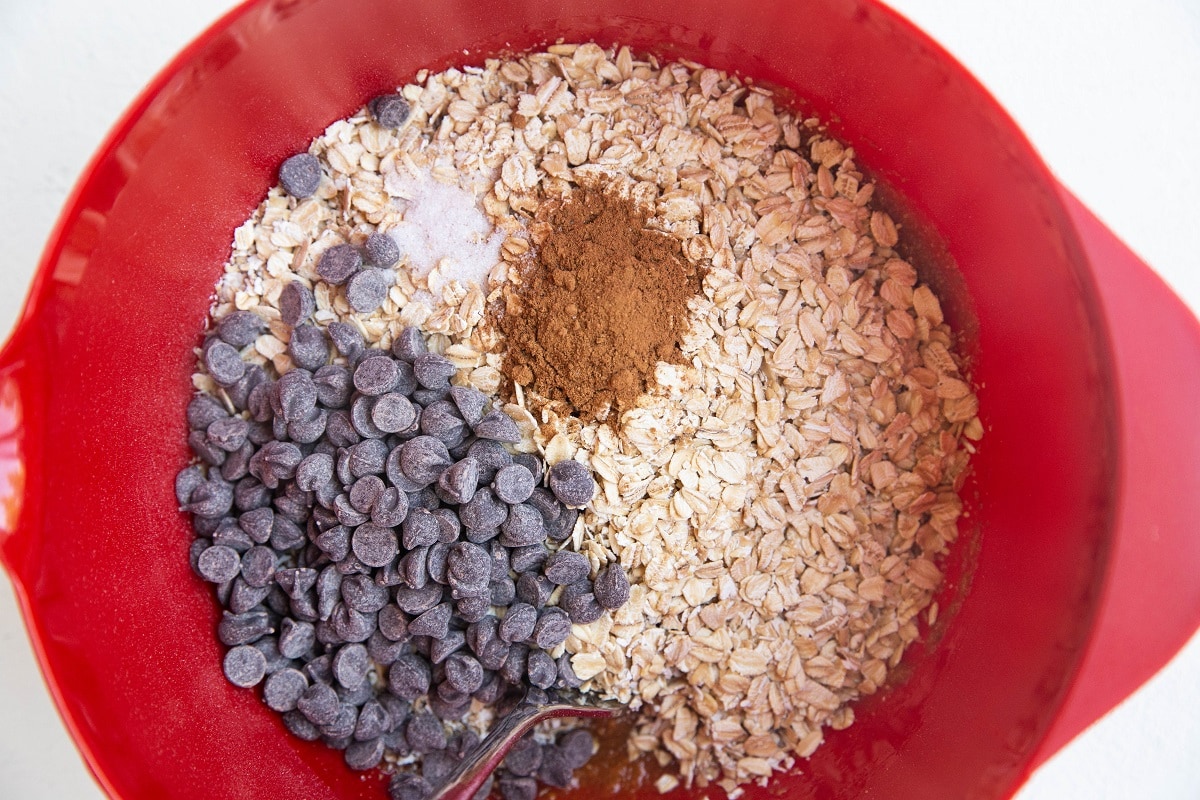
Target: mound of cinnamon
(601,301)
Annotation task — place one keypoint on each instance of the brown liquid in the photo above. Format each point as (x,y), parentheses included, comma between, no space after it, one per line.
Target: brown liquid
(610,772)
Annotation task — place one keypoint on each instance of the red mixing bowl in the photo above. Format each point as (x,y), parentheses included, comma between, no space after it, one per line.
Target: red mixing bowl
(1078,579)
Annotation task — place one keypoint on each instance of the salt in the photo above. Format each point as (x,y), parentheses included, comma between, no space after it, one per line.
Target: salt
(444,227)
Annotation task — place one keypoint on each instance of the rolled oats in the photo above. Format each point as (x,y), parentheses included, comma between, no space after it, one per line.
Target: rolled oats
(780,498)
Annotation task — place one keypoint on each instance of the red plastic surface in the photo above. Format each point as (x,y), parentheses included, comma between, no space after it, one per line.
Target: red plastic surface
(1151,601)
(94,383)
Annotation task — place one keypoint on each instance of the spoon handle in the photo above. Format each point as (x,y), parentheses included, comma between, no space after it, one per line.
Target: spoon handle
(473,770)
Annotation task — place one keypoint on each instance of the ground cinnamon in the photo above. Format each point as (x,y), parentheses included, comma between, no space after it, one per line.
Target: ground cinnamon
(602,300)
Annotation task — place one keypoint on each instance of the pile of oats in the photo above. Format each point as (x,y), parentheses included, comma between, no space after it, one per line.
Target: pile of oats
(782,498)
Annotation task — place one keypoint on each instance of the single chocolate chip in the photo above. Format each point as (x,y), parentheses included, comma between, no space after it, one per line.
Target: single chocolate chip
(283,689)
(351,625)
(413,600)
(368,457)
(393,412)
(560,529)
(564,567)
(581,608)
(350,665)
(409,677)
(296,303)
(203,410)
(463,673)
(365,491)
(514,484)
(308,347)
(540,669)
(529,557)
(219,564)
(247,628)
(375,376)
(435,622)
(409,344)
(524,758)
(393,623)
(237,463)
(413,569)
(567,679)
(406,786)
(572,483)
(497,426)
(373,721)
(518,622)
(239,328)
(577,746)
(513,668)
(245,666)
(555,770)
(346,339)
(339,263)
(334,384)
(523,527)
(363,755)
(334,542)
(374,545)
(300,175)
(534,589)
(502,591)
(258,566)
(382,250)
(389,110)
(433,371)
(612,587)
(296,638)
(294,395)
(224,363)
(420,529)
(552,628)
(423,459)
(443,648)
(513,788)
(391,508)
(367,289)
(318,670)
(468,570)
(243,597)
(449,525)
(483,512)
(342,727)
(425,733)
(228,433)
(469,402)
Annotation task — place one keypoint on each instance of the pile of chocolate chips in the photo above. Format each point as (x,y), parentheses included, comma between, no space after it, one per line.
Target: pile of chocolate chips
(383,558)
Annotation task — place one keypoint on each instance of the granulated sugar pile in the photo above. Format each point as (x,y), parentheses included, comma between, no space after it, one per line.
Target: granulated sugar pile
(782,492)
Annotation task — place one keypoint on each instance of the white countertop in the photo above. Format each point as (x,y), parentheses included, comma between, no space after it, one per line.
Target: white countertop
(1109,92)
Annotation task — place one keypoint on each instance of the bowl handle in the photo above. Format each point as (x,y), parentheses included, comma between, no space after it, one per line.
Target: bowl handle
(1151,600)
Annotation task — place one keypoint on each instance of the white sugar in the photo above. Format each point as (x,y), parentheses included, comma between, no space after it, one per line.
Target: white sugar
(444,227)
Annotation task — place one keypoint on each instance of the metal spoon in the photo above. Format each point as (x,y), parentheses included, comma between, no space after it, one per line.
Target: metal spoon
(485,757)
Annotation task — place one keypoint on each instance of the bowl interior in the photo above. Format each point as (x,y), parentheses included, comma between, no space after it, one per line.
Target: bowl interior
(124,630)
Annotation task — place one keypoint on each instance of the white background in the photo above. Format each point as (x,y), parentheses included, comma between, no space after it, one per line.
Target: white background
(1108,91)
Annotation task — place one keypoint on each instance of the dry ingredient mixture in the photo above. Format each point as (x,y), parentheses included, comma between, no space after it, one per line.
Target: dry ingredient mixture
(779,493)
